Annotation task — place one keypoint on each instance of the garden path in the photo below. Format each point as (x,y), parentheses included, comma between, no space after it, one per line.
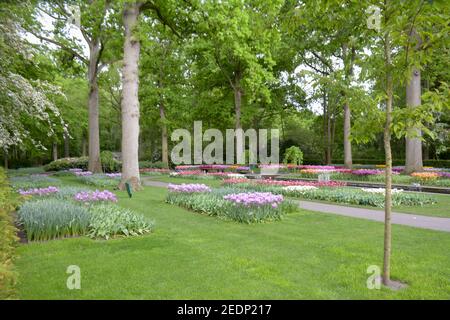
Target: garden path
(406,219)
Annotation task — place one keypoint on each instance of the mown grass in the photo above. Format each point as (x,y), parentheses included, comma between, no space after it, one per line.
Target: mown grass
(440,209)
(192,256)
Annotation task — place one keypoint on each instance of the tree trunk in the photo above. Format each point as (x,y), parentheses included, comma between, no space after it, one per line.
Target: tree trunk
(84,147)
(348,162)
(165,147)
(237,106)
(130,101)
(388,155)
(94,129)
(413,142)
(66,146)
(55,151)
(5,155)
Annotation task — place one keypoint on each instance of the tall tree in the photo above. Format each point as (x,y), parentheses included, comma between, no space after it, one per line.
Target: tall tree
(130,101)
(92,24)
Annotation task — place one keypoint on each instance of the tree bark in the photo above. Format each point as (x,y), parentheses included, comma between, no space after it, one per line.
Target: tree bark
(413,142)
(5,155)
(130,101)
(84,147)
(94,129)
(165,146)
(237,99)
(388,154)
(348,162)
(66,146)
(55,151)
(237,107)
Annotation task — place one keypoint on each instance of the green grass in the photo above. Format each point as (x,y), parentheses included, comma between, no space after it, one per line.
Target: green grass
(192,256)
(439,209)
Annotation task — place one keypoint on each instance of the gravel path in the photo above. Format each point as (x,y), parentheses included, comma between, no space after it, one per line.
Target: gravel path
(412,220)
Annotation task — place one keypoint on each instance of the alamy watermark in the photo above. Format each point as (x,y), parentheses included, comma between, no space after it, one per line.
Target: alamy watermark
(374,280)
(74,280)
(191,150)
(374,19)
(74,15)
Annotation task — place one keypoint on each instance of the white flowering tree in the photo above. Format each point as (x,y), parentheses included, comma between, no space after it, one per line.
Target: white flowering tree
(25,104)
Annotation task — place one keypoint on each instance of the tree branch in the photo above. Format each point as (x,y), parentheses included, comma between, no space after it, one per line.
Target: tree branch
(61,45)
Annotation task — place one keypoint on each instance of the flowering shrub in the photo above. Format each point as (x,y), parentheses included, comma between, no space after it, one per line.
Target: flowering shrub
(38,191)
(73,170)
(95,196)
(188,188)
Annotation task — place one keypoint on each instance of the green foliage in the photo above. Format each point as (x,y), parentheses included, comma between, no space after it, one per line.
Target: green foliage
(293,155)
(8,240)
(110,220)
(109,163)
(99,181)
(68,163)
(152,165)
(52,218)
(25,171)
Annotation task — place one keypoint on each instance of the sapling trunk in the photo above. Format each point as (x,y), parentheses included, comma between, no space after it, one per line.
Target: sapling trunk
(388,154)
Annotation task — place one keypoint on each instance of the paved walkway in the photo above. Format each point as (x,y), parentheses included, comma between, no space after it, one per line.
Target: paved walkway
(412,220)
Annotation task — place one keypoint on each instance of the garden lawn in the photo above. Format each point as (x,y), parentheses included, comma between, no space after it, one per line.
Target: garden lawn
(192,256)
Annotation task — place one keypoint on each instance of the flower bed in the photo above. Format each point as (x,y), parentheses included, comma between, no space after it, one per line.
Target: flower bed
(229,204)
(51,213)
(359,197)
(38,191)
(334,192)
(188,188)
(95,196)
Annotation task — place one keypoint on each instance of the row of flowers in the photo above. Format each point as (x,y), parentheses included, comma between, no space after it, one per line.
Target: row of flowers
(284,183)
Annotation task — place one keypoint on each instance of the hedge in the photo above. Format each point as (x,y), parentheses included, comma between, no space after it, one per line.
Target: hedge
(108,162)
(67,163)
(8,240)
